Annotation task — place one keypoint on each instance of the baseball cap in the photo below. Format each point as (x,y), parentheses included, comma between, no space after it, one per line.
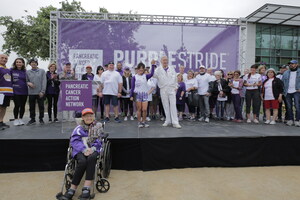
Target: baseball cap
(111,62)
(202,66)
(126,68)
(89,66)
(283,66)
(67,63)
(293,62)
(87,111)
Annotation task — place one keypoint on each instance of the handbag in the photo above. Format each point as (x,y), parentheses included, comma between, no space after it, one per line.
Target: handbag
(193,98)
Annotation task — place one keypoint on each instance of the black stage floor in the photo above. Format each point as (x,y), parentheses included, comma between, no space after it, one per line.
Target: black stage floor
(197,144)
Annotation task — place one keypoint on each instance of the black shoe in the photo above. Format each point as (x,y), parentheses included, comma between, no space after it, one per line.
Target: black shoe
(117,120)
(3,125)
(106,120)
(42,121)
(68,195)
(50,119)
(55,120)
(86,194)
(31,122)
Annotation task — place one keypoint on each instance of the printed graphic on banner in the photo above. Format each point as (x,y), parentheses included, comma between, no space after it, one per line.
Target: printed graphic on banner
(133,42)
(76,95)
(80,58)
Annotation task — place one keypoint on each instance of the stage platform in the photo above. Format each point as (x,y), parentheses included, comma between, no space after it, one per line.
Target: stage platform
(197,144)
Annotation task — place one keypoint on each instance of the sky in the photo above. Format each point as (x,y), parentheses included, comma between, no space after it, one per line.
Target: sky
(209,8)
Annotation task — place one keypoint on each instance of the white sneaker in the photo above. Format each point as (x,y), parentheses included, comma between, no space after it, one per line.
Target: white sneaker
(267,122)
(290,123)
(162,118)
(148,119)
(131,118)
(176,126)
(16,122)
(201,119)
(255,121)
(248,120)
(207,120)
(272,122)
(146,125)
(166,124)
(21,122)
(125,118)
(297,123)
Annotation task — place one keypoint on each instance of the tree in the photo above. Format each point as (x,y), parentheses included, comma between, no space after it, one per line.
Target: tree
(29,37)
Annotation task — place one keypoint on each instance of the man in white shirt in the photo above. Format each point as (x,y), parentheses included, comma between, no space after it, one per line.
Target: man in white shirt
(110,90)
(203,80)
(167,82)
(291,90)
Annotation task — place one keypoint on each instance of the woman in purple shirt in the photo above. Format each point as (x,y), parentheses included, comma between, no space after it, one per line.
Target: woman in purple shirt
(18,74)
(52,91)
(180,96)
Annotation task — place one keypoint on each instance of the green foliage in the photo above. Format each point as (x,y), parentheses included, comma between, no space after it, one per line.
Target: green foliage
(29,37)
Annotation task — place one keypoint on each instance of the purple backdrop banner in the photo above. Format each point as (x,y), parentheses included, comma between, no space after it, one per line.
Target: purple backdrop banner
(75,95)
(84,42)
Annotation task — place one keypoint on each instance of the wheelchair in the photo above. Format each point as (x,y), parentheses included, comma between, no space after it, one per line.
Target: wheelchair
(102,168)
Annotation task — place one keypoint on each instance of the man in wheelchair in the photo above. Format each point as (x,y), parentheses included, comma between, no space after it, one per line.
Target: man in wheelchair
(86,147)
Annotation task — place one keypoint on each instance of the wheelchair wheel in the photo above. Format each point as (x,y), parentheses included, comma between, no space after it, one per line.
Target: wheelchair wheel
(107,160)
(102,185)
(68,181)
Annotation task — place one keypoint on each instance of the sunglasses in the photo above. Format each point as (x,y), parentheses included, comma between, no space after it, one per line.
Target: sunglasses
(229,74)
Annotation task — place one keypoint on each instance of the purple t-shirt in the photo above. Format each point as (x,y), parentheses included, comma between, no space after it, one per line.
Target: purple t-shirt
(19,82)
(181,87)
(90,77)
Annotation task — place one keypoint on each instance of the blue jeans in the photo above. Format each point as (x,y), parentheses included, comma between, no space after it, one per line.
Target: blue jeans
(289,105)
(220,106)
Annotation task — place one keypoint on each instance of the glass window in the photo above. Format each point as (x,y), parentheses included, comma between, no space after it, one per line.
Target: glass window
(265,52)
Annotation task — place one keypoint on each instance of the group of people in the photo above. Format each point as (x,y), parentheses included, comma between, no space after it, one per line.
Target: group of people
(157,92)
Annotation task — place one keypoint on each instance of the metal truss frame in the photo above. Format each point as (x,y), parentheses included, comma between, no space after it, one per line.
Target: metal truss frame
(151,19)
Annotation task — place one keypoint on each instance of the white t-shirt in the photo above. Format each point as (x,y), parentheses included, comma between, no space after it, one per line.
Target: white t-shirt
(95,84)
(292,82)
(236,85)
(111,81)
(268,90)
(203,81)
(189,83)
(253,79)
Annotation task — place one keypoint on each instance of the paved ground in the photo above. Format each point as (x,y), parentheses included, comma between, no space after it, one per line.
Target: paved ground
(262,183)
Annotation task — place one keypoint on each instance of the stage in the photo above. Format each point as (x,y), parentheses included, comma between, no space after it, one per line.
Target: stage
(197,144)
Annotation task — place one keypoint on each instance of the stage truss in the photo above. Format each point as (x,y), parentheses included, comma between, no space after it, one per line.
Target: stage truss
(151,19)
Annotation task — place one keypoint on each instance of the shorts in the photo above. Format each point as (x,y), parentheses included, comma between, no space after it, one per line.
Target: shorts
(142,97)
(110,99)
(274,104)
(6,101)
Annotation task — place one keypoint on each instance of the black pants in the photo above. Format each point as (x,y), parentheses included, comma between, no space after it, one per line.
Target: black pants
(127,104)
(98,101)
(20,102)
(253,99)
(280,110)
(32,101)
(161,108)
(84,164)
(191,107)
(52,100)
(121,104)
